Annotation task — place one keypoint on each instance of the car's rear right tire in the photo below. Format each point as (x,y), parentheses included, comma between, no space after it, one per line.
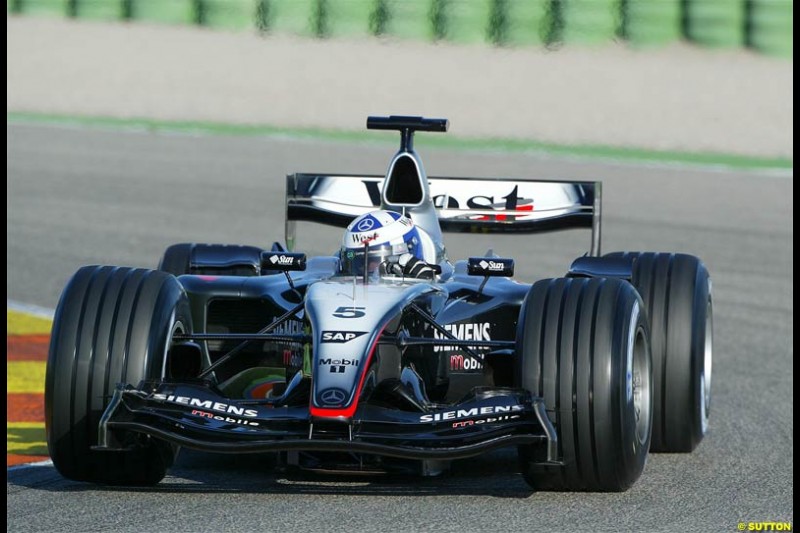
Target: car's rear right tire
(216,259)
(112,325)
(583,346)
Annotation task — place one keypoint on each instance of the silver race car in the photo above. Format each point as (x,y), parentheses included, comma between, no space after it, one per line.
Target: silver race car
(386,356)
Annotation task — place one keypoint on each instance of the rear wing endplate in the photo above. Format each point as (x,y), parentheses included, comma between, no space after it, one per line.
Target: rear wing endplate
(475,205)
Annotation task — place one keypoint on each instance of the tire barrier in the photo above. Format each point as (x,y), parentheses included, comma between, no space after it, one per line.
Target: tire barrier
(771,27)
(163,11)
(717,23)
(648,23)
(589,21)
(763,25)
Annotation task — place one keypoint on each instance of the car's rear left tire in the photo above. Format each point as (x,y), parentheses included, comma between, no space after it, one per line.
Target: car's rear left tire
(112,325)
(583,346)
(676,290)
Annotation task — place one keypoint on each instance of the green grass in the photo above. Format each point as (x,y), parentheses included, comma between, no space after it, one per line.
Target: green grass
(433,141)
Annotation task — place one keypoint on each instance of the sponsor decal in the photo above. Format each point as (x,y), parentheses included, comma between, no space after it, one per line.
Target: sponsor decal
(205,404)
(339,362)
(462,362)
(491,420)
(488,266)
(480,331)
(366,224)
(492,265)
(281,260)
(290,327)
(511,201)
(332,397)
(362,238)
(341,336)
(473,412)
(292,359)
(227,419)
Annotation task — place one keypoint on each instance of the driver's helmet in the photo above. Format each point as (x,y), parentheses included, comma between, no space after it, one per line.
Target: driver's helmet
(376,237)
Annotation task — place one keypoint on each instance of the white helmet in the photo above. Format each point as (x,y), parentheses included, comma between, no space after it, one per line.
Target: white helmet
(376,237)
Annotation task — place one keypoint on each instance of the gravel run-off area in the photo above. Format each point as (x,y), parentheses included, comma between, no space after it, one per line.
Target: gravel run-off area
(675,98)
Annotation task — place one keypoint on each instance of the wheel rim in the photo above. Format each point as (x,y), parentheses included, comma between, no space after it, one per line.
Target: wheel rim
(705,375)
(638,378)
(176,328)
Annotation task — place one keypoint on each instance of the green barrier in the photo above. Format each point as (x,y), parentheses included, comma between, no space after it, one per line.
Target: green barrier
(228,14)
(350,18)
(410,19)
(58,8)
(292,16)
(100,9)
(718,23)
(589,21)
(525,22)
(467,21)
(164,11)
(650,22)
(771,25)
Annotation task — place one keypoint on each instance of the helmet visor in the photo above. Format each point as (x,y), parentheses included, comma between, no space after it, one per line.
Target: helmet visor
(356,261)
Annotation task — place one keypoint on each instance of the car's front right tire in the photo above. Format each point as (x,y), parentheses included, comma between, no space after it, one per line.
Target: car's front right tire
(112,325)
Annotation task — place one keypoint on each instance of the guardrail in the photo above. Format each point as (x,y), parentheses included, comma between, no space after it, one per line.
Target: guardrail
(763,25)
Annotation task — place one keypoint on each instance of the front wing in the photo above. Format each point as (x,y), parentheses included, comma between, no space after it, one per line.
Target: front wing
(197,416)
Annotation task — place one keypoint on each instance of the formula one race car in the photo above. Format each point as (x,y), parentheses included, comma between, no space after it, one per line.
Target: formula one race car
(386,356)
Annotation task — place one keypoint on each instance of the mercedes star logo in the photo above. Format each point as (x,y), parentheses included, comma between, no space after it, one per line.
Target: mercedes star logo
(365,225)
(332,396)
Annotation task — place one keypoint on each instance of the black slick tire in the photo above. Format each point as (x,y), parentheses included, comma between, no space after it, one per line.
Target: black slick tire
(176,259)
(112,325)
(583,346)
(676,290)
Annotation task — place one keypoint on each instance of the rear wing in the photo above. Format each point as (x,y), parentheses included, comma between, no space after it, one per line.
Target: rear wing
(474,205)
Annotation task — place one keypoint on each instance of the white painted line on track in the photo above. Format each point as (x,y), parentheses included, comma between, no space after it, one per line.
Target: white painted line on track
(35,310)
(30,465)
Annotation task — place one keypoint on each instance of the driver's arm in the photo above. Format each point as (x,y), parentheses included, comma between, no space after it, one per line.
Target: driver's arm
(409,266)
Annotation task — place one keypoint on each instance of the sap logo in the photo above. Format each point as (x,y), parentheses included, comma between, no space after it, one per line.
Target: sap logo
(283,260)
(468,332)
(341,336)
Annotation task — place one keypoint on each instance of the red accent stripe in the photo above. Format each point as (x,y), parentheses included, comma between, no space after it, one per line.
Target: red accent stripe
(348,412)
(24,407)
(27,347)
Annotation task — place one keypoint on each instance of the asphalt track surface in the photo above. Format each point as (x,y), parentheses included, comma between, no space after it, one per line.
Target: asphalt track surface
(81,196)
